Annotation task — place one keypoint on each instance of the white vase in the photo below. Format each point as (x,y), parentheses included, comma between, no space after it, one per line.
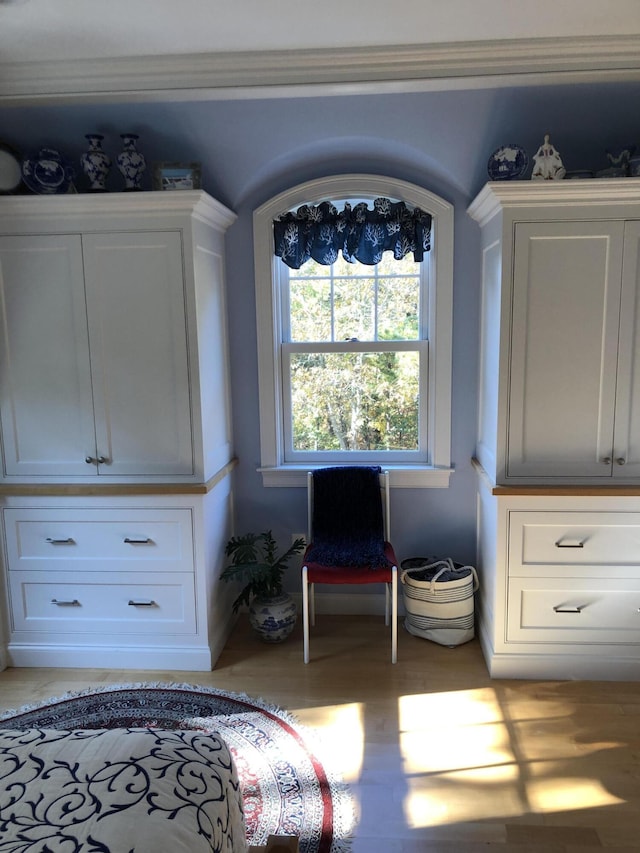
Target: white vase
(273,619)
(131,162)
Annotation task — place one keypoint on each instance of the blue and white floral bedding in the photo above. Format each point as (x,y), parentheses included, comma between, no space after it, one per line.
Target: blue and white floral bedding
(118,791)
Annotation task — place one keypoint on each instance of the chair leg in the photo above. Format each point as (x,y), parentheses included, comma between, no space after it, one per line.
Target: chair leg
(394,614)
(305,614)
(312,603)
(387,591)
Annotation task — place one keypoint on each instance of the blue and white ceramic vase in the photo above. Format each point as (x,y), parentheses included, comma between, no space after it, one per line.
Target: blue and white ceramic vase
(131,162)
(273,619)
(96,163)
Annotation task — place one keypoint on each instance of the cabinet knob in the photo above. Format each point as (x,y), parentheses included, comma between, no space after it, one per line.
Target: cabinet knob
(607,460)
(90,460)
(102,460)
(621,460)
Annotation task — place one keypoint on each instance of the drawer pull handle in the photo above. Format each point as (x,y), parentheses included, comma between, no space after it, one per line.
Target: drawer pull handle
(146,541)
(61,602)
(560,608)
(139,603)
(561,544)
(68,541)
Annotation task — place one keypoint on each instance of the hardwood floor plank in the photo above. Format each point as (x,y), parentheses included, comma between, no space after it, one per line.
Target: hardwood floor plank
(439,756)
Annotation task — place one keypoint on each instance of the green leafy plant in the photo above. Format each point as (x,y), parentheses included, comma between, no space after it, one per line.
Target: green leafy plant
(254,560)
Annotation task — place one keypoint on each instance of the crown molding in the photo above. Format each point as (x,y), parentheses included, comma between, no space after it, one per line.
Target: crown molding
(588,194)
(76,207)
(210,76)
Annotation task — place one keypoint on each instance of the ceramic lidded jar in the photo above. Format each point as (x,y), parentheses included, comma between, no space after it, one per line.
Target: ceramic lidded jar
(95,163)
(273,619)
(131,162)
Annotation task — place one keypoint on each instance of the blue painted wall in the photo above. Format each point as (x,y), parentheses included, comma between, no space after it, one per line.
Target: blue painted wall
(253,149)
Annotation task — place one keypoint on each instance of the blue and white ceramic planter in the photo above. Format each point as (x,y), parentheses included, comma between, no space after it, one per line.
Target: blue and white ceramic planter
(273,619)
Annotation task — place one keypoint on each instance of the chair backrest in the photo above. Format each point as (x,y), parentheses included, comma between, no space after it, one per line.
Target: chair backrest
(384,496)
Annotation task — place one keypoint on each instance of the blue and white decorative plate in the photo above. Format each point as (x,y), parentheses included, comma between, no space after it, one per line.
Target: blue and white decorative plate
(507,163)
(47,172)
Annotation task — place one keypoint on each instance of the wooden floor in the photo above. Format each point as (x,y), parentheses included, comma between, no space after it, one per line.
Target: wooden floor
(439,756)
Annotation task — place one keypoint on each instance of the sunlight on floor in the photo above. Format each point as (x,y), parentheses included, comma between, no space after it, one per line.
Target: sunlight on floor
(464,758)
(464,762)
(342,728)
(553,794)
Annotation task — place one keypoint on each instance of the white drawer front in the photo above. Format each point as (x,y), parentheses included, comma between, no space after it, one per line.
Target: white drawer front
(552,610)
(574,544)
(99,540)
(113,603)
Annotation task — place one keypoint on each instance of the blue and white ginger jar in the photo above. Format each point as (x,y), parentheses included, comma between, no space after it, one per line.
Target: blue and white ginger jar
(131,162)
(273,619)
(95,163)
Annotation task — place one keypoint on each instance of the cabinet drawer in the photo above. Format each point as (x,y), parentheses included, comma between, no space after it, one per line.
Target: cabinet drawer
(110,603)
(99,540)
(574,544)
(552,610)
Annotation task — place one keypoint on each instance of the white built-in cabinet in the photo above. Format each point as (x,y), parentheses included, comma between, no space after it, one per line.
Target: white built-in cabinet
(558,449)
(560,364)
(116,478)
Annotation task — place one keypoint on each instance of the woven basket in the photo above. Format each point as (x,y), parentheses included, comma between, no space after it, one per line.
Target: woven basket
(438,599)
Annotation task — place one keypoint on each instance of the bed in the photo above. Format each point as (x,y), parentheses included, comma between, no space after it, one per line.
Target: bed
(118,791)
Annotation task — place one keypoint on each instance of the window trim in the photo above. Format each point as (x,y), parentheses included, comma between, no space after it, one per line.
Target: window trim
(275,472)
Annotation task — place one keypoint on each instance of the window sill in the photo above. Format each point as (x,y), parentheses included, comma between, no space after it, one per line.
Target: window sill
(400,476)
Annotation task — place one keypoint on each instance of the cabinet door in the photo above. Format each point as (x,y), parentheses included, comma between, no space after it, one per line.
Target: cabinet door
(626,445)
(564,346)
(46,409)
(139,364)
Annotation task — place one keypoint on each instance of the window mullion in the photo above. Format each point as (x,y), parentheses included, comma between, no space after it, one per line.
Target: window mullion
(376,292)
(333,305)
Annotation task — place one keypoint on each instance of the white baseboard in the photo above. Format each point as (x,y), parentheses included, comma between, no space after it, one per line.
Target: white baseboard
(590,665)
(109,657)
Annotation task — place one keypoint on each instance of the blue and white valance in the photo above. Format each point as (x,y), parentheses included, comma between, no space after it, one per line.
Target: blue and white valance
(360,233)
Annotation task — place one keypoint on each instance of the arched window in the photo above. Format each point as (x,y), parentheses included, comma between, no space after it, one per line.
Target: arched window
(354,358)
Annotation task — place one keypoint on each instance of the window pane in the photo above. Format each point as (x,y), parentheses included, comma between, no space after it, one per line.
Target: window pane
(354,307)
(310,306)
(398,306)
(355,401)
(345,301)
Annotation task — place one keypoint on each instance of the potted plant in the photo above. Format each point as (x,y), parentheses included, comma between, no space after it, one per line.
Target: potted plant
(255,562)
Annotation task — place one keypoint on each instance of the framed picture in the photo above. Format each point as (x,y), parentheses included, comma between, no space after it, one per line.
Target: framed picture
(176,176)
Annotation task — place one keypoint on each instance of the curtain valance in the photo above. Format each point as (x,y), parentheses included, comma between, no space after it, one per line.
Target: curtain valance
(360,233)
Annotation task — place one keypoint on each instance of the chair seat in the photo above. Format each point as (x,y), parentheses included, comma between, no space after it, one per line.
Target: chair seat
(318,573)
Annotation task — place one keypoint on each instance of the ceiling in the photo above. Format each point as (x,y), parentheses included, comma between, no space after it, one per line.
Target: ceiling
(133,49)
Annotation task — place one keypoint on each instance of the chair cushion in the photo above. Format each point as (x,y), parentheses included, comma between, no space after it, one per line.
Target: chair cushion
(318,573)
(347,524)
